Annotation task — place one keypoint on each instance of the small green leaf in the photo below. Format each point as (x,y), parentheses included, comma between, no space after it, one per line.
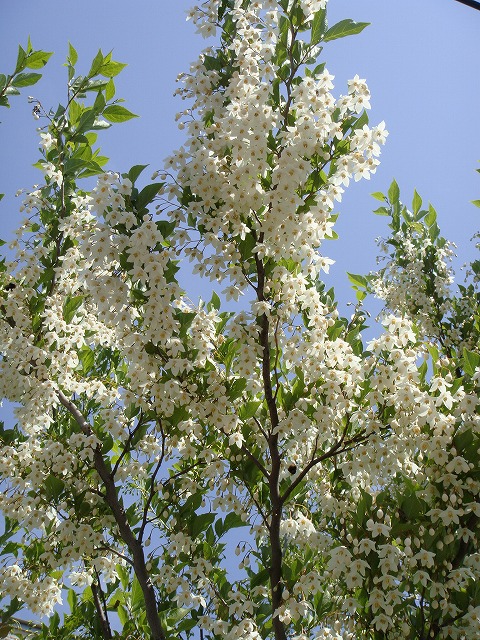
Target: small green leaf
(393,192)
(344,28)
(75,110)
(476,203)
(111,69)
(20,59)
(87,358)
(381,211)
(26,79)
(201,523)
(70,307)
(214,302)
(3,81)
(96,64)
(72,599)
(259,578)
(431,216)
(54,486)
(319,26)
(237,388)
(86,121)
(116,113)
(136,596)
(166,228)
(100,102)
(147,195)
(72,54)
(135,171)
(416,202)
(358,280)
(110,89)
(38,59)
(471,362)
(233,521)
(378,195)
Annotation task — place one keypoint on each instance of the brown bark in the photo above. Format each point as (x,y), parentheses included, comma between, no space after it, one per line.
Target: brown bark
(134,546)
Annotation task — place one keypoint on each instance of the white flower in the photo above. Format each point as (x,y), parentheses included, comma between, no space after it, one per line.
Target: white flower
(47,141)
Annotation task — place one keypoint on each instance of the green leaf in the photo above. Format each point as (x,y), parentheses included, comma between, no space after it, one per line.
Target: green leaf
(201,523)
(476,203)
(54,487)
(26,79)
(393,192)
(124,575)
(249,409)
(75,110)
(137,596)
(116,113)
(259,578)
(111,69)
(72,599)
(70,307)
(100,102)
(166,228)
(20,59)
(110,89)
(147,195)
(38,59)
(344,28)
(319,26)
(3,81)
(378,195)
(416,202)
(431,216)
(358,280)
(471,361)
(2,195)
(360,121)
(72,54)
(237,387)
(87,358)
(233,521)
(86,121)
(214,302)
(135,171)
(96,64)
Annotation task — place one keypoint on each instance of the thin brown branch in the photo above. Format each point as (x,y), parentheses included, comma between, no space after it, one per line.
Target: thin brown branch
(255,461)
(101,607)
(126,533)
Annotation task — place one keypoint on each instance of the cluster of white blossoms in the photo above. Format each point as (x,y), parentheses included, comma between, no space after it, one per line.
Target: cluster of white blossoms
(41,598)
(255,166)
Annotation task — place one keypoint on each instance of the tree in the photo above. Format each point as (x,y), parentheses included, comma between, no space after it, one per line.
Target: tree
(151,430)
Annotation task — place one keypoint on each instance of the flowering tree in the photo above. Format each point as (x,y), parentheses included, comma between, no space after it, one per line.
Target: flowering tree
(151,431)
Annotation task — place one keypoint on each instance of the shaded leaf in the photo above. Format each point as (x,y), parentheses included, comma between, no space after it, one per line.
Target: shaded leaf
(319,26)
(26,79)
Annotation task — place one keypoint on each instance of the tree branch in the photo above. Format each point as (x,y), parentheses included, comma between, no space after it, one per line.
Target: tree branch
(126,533)
(101,607)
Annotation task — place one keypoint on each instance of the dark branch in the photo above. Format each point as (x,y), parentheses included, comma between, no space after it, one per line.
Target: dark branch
(471,3)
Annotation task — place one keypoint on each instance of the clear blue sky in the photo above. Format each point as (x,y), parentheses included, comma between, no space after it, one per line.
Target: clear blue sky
(420,60)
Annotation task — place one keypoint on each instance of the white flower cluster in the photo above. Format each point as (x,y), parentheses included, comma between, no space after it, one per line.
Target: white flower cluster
(253,167)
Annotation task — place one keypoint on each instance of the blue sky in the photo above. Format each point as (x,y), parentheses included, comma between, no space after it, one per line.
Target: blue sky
(420,60)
